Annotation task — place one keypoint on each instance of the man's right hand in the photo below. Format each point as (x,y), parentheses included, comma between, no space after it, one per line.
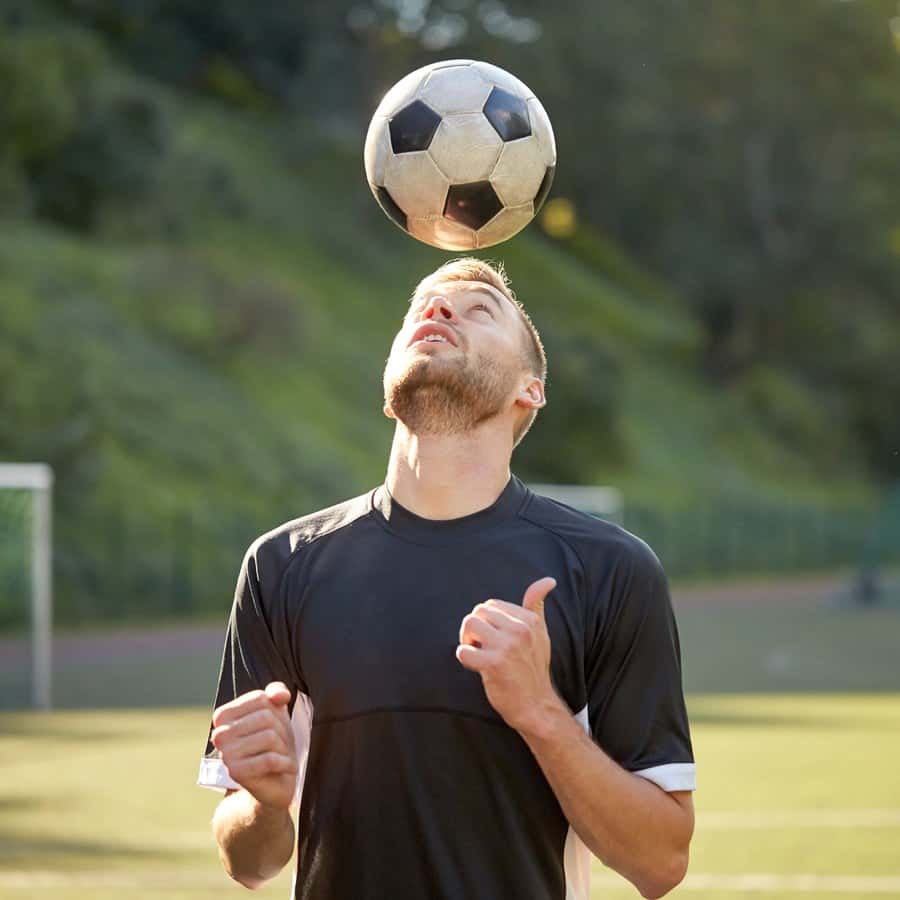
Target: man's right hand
(254,735)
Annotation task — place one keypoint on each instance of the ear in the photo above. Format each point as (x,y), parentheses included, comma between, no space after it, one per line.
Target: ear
(531,394)
(388,411)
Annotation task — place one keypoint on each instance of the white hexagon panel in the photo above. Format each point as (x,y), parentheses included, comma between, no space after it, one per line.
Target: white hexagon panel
(455,90)
(508,222)
(416,184)
(378,150)
(466,148)
(519,172)
(443,233)
(502,78)
(542,129)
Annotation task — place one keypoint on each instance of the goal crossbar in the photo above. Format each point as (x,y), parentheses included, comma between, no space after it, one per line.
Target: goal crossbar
(598,500)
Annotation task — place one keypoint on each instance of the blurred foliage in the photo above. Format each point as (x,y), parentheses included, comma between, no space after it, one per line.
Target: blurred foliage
(76,142)
(197,292)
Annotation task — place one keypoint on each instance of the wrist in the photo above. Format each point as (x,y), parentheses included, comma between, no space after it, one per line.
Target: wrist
(256,813)
(543,718)
(270,812)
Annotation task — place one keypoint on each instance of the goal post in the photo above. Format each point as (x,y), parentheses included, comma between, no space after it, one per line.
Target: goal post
(596,500)
(38,479)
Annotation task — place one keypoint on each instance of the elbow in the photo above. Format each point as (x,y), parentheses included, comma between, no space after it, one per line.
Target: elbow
(251,881)
(246,872)
(666,878)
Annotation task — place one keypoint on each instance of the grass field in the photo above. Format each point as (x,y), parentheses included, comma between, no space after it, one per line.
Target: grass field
(799,797)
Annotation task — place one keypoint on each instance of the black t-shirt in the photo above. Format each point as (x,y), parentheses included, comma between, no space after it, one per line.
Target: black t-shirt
(411,785)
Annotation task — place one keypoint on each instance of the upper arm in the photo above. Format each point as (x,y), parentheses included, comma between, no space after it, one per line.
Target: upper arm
(685,799)
(636,707)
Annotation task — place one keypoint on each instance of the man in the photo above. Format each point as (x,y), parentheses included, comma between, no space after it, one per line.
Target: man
(466,687)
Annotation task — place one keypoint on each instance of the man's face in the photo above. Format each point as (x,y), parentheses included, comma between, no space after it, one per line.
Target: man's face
(457,359)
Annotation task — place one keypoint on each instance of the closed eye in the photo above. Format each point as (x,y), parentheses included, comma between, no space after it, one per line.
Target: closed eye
(485,307)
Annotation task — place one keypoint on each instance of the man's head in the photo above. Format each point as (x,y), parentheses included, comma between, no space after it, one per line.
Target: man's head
(467,352)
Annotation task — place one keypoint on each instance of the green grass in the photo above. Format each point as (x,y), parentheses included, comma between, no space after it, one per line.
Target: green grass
(777,649)
(102,804)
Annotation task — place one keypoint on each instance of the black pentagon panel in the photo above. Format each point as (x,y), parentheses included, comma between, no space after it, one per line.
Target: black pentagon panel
(508,114)
(386,202)
(544,189)
(413,127)
(473,204)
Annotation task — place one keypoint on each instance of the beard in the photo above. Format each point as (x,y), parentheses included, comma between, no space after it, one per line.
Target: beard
(436,396)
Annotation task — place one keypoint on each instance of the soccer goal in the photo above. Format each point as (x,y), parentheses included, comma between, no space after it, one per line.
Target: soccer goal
(605,502)
(25,563)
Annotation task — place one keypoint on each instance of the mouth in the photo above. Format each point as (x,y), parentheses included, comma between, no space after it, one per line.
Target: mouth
(433,333)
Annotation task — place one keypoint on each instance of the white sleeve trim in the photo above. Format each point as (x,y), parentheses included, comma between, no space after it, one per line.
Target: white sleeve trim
(672,776)
(214,774)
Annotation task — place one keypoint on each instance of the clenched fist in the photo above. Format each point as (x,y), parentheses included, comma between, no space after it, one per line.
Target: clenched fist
(509,647)
(254,735)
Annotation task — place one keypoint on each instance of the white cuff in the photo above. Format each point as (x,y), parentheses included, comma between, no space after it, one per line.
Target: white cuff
(672,776)
(214,774)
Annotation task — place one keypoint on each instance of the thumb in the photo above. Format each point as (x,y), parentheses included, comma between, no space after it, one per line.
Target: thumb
(536,593)
(278,693)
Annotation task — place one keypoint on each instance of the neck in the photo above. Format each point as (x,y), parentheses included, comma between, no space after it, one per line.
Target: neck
(448,476)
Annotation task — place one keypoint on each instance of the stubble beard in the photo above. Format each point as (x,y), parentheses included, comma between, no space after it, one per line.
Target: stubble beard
(435,396)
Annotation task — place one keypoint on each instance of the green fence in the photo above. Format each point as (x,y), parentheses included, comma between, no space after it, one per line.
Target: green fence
(184,566)
(723,538)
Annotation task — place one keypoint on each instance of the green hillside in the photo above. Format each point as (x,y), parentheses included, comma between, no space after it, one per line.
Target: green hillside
(203,359)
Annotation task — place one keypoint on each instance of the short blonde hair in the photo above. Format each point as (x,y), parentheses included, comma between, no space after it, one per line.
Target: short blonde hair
(469,268)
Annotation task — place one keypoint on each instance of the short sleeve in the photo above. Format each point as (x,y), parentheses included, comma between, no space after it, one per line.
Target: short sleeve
(257,651)
(636,709)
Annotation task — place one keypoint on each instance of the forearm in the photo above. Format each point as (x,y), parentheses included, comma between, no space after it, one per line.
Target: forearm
(255,841)
(631,824)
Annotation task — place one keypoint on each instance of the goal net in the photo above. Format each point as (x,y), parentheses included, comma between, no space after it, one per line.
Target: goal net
(25,585)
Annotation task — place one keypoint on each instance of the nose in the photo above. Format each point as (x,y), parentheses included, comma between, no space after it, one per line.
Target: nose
(439,307)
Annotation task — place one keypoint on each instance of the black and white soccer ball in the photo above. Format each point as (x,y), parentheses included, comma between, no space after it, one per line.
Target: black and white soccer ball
(460,154)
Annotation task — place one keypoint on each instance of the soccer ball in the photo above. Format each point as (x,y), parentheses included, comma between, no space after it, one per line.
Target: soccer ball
(460,154)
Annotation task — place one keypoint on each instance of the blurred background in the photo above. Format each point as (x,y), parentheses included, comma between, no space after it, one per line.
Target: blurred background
(197,296)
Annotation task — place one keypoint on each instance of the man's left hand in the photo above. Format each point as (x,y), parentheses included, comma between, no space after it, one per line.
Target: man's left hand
(509,646)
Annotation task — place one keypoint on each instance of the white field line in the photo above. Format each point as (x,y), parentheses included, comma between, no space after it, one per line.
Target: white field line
(63,878)
(744,884)
(799,818)
(755,883)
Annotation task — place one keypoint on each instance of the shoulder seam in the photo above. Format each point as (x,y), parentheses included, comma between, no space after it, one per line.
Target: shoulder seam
(302,545)
(563,538)
(305,544)
(585,570)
